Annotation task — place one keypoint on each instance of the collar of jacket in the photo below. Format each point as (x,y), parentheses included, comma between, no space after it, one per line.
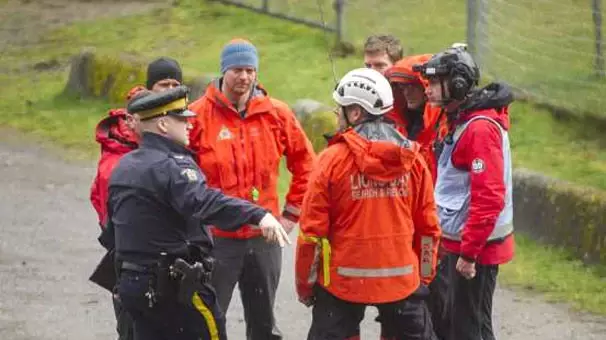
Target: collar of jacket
(259,101)
(155,141)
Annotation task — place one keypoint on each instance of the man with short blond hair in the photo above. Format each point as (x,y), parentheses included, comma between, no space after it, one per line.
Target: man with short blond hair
(381,51)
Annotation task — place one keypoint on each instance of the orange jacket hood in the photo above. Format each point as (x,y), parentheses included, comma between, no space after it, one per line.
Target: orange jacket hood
(379,150)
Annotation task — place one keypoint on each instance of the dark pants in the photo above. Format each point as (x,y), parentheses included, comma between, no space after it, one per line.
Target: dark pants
(124,323)
(169,319)
(255,265)
(469,304)
(337,319)
(436,303)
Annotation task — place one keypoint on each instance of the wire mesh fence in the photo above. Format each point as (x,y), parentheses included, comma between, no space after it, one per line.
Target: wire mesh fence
(551,50)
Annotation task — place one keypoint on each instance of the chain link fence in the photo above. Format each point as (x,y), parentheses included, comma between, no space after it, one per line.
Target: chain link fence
(549,50)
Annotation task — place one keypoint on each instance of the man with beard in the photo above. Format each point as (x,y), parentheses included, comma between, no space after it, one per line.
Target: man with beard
(239,136)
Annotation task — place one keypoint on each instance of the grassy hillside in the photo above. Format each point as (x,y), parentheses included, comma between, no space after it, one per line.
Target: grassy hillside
(545,47)
(294,64)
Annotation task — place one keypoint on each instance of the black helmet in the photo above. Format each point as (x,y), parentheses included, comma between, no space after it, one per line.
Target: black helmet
(457,67)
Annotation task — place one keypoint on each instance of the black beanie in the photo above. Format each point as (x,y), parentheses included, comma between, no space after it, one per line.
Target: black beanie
(163,68)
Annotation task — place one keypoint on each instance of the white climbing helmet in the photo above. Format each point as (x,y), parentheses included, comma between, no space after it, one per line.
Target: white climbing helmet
(367,88)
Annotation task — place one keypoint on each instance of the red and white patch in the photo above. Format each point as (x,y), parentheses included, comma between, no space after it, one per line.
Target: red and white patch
(478,166)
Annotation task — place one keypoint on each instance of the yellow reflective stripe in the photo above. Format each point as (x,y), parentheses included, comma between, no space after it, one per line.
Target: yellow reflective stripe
(325,246)
(211,324)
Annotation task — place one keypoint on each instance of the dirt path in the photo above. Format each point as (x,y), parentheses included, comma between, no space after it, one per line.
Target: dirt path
(48,248)
(23,22)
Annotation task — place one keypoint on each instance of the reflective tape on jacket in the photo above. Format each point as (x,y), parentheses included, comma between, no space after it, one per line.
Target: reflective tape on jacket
(324,245)
(375,272)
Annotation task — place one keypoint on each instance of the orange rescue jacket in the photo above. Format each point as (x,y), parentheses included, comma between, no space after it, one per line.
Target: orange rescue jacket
(241,155)
(434,121)
(369,228)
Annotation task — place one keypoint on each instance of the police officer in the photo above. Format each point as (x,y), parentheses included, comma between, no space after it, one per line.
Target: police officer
(158,205)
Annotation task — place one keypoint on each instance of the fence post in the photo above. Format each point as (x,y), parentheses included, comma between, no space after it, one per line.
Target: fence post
(265,6)
(339,6)
(482,34)
(597,20)
(472,18)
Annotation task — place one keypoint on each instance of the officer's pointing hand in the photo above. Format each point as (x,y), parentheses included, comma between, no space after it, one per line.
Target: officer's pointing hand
(273,230)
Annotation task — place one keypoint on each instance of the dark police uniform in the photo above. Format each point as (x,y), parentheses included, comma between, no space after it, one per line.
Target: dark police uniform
(159,203)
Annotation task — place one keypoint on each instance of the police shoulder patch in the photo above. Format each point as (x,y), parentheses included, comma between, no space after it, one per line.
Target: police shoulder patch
(190,174)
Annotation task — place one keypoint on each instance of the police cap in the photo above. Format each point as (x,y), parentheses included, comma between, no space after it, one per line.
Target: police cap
(171,102)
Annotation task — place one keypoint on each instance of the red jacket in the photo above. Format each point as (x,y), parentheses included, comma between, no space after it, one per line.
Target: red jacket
(241,155)
(482,140)
(116,139)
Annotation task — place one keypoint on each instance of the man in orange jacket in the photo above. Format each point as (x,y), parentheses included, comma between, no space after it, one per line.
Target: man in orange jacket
(118,134)
(369,228)
(240,135)
(412,114)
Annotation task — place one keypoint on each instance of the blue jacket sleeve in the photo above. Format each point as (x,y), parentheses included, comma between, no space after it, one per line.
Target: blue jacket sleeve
(191,196)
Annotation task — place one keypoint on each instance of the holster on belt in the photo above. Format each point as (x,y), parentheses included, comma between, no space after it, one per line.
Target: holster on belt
(192,277)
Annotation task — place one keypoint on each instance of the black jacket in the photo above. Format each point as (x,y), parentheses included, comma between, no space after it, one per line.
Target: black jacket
(159,201)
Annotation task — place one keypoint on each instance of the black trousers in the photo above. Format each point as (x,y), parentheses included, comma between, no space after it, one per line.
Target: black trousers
(168,319)
(124,323)
(468,302)
(337,319)
(255,265)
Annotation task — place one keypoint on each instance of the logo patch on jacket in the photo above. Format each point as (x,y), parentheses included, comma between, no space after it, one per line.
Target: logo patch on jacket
(224,134)
(190,174)
(477,166)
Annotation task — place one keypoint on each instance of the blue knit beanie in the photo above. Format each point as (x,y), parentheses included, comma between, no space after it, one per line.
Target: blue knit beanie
(239,52)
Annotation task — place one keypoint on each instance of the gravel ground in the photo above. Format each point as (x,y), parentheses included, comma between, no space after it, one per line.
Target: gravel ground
(48,248)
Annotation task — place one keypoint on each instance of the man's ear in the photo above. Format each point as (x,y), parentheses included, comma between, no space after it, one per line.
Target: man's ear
(162,125)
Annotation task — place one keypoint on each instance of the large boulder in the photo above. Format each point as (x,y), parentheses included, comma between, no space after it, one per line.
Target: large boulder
(197,85)
(105,76)
(305,107)
(317,126)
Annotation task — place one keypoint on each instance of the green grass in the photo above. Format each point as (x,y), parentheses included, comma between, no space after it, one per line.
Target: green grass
(294,64)
(556,273)
(545,47)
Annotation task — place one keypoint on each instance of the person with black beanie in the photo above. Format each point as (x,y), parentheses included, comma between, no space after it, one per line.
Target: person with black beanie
(118,134)
(163,73)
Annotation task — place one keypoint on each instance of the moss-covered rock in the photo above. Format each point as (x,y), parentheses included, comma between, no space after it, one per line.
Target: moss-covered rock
(561,214)
(304,107)
(105,76)
(317,125)
(197,85)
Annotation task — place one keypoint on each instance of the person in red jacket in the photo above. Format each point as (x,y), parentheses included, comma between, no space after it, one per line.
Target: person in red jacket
(240,135)
(473,190)
(412,114)
(369,228)
(118,134)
